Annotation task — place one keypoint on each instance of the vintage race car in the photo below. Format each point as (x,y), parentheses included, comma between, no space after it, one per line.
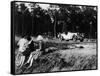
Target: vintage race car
(71,36)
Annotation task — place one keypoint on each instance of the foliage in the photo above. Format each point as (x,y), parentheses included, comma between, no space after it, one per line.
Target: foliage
(31,18)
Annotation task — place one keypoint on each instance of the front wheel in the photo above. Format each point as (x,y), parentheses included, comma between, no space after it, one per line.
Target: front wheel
(74,38)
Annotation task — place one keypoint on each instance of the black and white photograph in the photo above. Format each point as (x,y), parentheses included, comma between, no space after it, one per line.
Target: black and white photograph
(52,37)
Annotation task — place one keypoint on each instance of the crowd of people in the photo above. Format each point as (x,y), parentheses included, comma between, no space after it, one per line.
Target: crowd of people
(29,50)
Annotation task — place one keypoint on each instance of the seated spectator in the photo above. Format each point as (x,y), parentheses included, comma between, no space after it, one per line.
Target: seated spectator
(35,50)
(23,45)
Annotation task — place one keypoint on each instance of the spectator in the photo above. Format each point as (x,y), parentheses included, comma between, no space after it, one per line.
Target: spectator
(23,45)
(36,51)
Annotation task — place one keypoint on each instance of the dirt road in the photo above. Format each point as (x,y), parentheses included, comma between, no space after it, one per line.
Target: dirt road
(89,49)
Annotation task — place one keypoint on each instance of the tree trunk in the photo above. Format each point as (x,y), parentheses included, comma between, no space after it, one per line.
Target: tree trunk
(22,24)
(55,28)
(63,27)
(32,29)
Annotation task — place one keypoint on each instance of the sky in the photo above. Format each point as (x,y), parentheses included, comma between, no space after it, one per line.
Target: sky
(44,6)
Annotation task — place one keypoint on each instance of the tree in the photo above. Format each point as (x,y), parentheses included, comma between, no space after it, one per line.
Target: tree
(55,18)
(53,12)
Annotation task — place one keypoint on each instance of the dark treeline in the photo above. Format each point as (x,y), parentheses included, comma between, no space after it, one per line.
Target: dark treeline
(33,19)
